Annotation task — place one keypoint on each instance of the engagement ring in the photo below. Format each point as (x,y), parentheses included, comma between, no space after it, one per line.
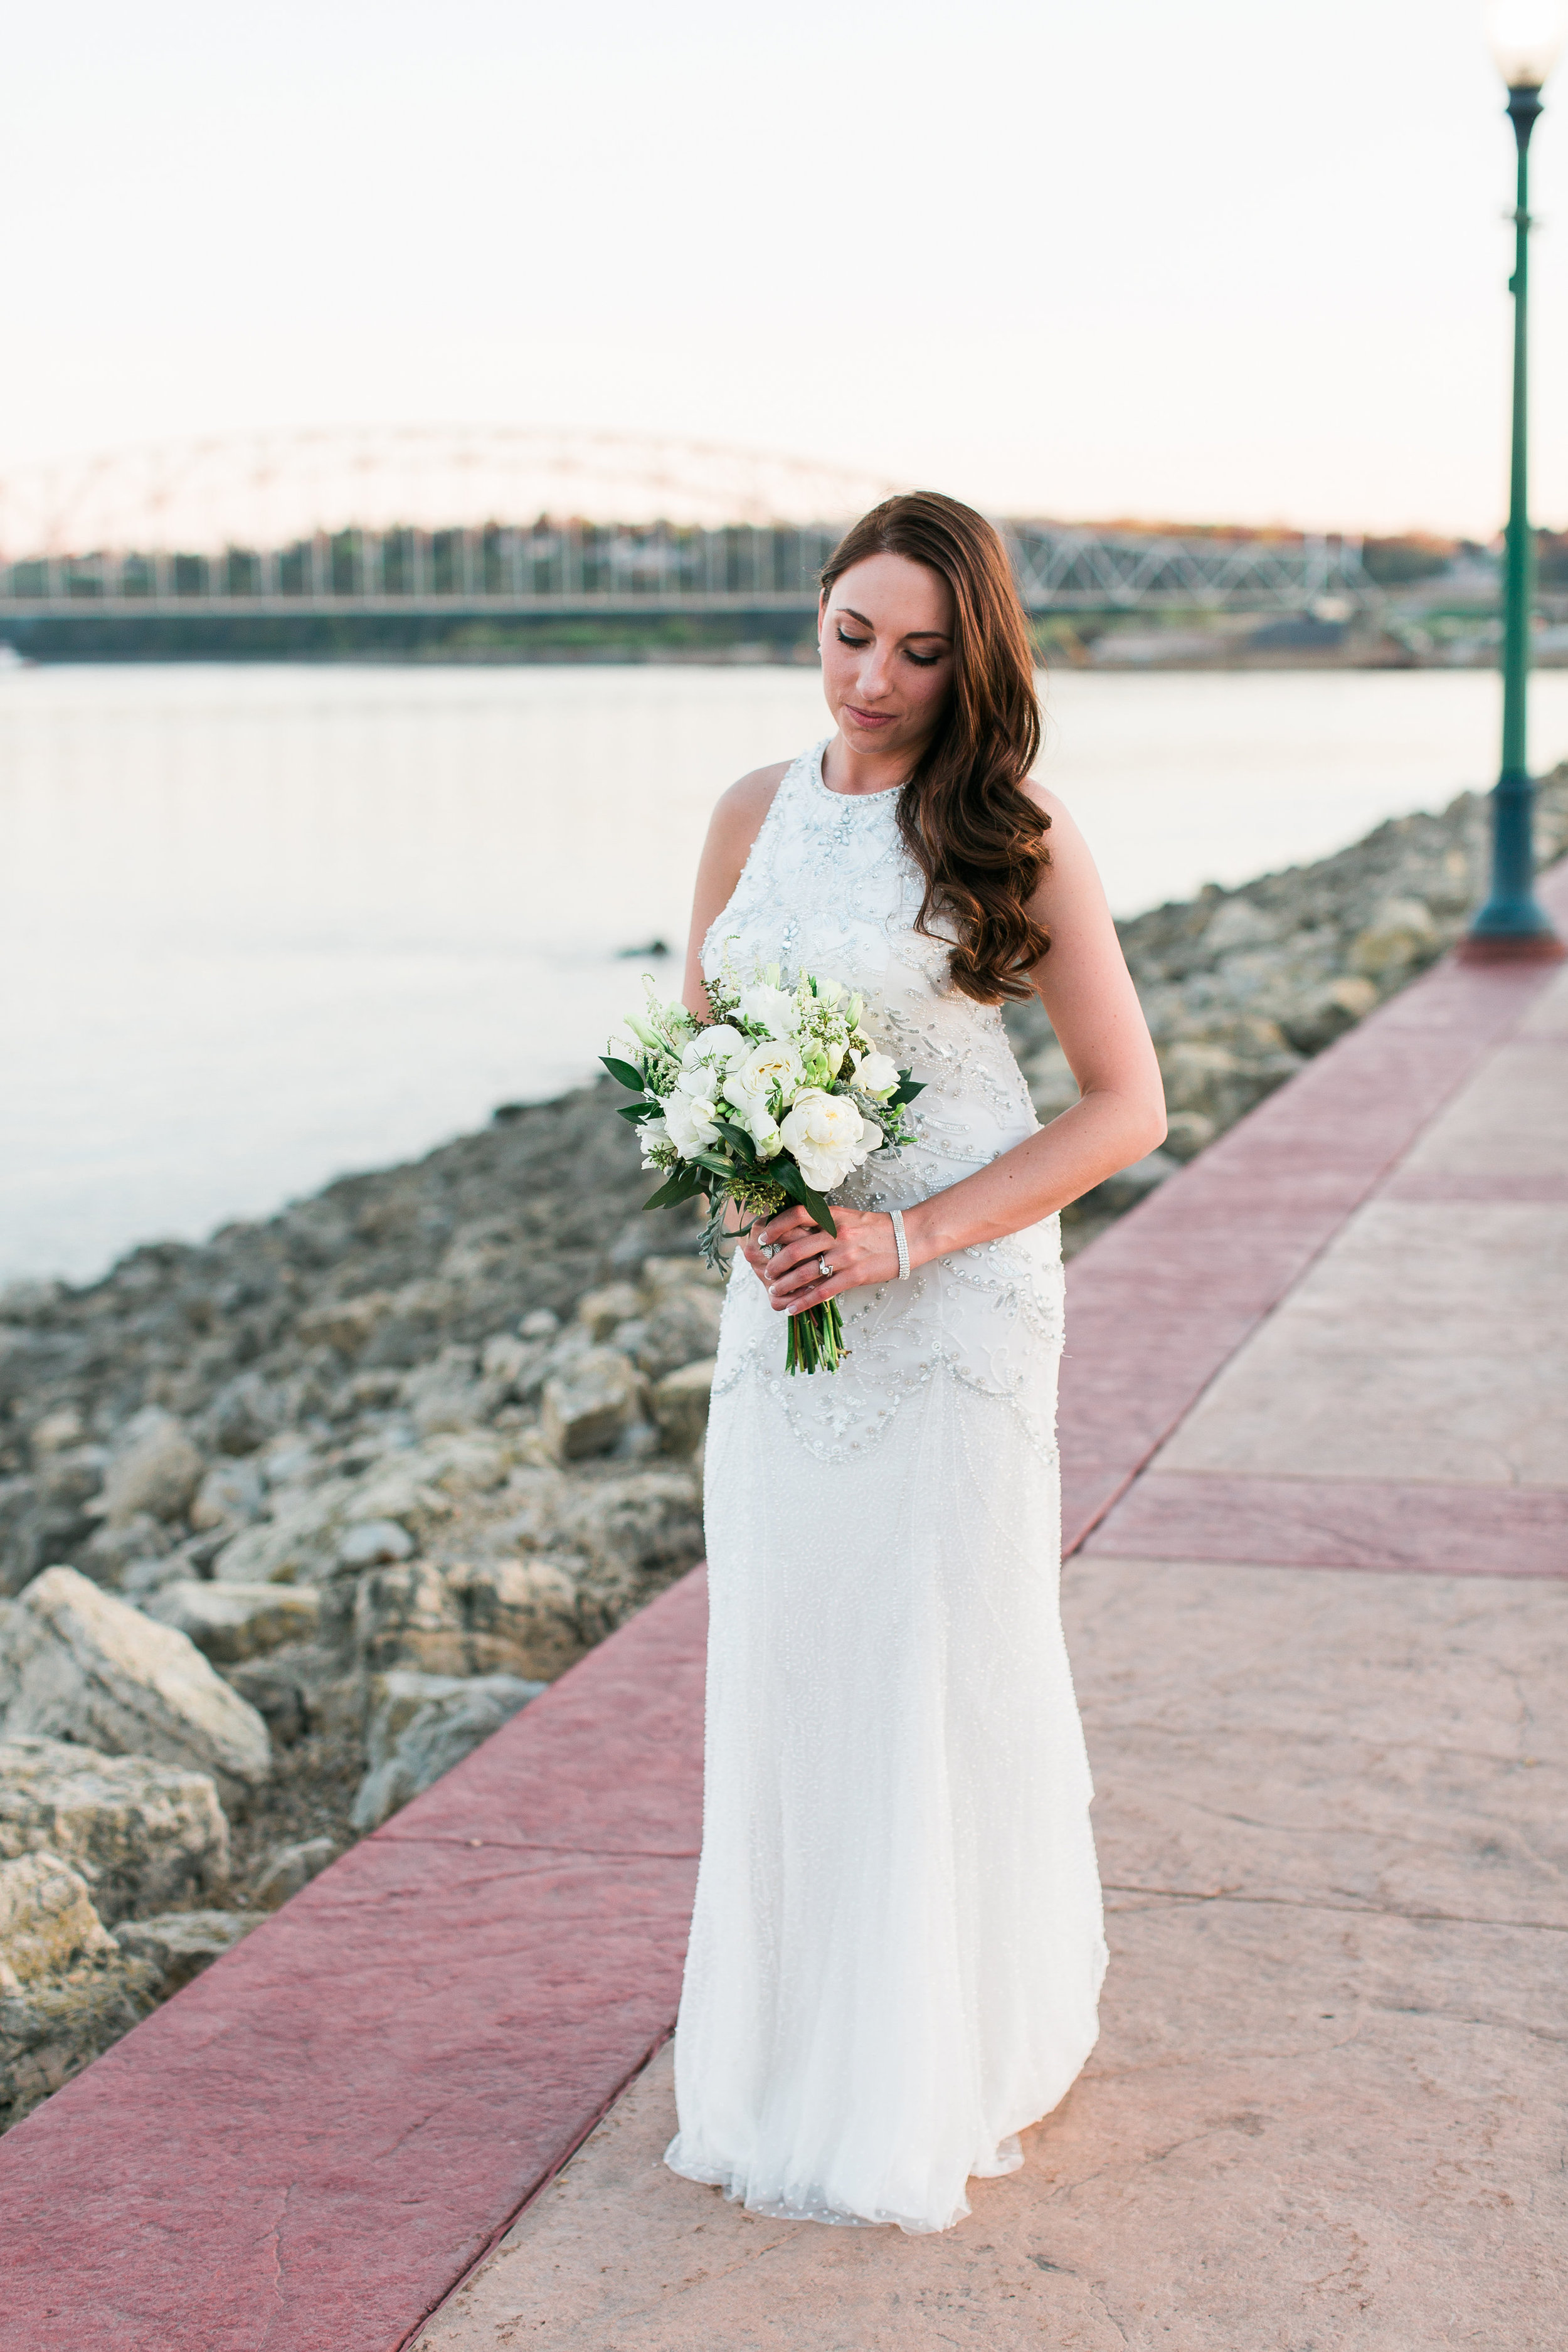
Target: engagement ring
(824,1269)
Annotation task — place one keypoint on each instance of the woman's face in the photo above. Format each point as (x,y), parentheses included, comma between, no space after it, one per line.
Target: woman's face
(888,655)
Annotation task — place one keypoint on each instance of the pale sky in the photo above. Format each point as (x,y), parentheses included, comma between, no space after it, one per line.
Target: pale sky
(1229,259)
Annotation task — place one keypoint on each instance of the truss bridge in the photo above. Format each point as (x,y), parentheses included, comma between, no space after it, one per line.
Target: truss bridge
(399,528)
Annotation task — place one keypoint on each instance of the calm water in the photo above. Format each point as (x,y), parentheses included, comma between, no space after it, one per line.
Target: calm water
(261,926)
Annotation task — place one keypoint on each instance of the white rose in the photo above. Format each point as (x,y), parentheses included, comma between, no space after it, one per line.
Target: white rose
(771,1008)
(689,1116)
(767,1071)
(876,1074)
(828,1137)
(714,1048)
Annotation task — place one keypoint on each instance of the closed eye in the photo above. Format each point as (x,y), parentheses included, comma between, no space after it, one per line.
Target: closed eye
(844,639)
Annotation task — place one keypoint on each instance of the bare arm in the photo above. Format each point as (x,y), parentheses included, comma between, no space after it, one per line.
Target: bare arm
(1086,988)
(734,825)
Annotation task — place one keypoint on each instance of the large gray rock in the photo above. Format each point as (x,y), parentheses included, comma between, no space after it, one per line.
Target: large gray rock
(1400,934)
(65,1990)
(178,1945)
(599,1311)
(144,1836)
(84,1665)
(520,1616)
(50,2030)
(291,1868)
(1238,924)
(155,1469)
(46,1920)
(679,1406)
(231,1622)
(230,1495)
(405,1615)
(681,1327)
(421,1724)
(589,1402)
(636,1533)
(451,1393)
(418,1488)
(369,1542)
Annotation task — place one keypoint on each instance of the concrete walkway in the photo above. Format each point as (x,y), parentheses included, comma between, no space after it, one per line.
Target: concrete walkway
(1327,2112)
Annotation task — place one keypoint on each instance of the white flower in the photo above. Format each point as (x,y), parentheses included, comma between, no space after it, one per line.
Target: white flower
(760,1125)
(828,1137)
(652,1132)
(771,1008)
(714,1048)
(689,1111)
(767,1071)
(876,1074)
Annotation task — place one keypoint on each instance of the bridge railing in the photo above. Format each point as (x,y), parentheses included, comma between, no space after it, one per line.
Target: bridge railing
(579,566)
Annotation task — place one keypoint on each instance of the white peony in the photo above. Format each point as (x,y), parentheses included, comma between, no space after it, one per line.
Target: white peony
(714,1048)
(876,1074)
(828,1137)
(767,1071)
(771,1008)
(689,1114)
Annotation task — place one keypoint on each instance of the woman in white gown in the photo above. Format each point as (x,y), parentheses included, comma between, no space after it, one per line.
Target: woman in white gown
(897,1949)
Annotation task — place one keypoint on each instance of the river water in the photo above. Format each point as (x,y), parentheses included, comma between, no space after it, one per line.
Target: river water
(260,926)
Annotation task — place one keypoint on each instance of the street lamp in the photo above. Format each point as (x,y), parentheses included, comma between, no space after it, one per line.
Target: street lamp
(1512,927)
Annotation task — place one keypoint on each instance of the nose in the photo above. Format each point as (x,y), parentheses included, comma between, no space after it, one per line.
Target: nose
(875,680)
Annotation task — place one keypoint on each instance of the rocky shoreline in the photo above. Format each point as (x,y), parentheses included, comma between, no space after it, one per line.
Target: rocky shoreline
(290,1519)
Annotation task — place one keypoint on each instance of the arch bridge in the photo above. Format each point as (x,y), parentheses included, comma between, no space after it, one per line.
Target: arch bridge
(425,523)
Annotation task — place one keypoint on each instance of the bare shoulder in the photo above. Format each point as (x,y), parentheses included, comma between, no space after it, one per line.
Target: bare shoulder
(1050,802)
(1058,816)
(738,813)
(751,796)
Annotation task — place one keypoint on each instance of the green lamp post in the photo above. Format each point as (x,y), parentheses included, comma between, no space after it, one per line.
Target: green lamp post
(1512,925)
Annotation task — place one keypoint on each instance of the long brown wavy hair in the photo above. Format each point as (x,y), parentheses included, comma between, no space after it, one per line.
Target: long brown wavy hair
(975,834)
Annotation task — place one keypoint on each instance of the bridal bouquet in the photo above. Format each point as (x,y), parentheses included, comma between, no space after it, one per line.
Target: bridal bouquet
(775,1099)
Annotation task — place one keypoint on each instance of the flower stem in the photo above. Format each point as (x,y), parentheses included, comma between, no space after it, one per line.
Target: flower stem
(816,1339)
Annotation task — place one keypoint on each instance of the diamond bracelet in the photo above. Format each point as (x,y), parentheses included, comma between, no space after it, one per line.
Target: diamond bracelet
(898,1217)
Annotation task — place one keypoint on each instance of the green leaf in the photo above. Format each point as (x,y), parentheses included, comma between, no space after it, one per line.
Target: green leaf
(906,1091)
(739,1142)
(818,1207)
(682,1186)
(622,1073)
(711,1159)
(636,1111)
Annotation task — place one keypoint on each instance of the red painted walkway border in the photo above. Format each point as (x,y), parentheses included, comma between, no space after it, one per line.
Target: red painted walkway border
(307,2148)
(1369,1523)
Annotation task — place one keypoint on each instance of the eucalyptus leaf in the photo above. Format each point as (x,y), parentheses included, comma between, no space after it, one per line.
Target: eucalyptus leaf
(622,1073)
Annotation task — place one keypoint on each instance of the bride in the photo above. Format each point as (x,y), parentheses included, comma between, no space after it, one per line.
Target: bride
(897,1947)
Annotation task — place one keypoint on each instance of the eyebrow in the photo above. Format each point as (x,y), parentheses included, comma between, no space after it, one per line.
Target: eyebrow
(864,623)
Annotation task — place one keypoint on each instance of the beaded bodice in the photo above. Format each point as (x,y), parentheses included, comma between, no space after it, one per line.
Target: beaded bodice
(829,887)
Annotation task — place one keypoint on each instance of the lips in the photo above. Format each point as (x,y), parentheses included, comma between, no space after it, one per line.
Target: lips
(868,718)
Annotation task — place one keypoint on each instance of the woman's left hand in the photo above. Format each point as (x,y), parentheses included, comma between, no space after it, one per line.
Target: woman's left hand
(785,1253)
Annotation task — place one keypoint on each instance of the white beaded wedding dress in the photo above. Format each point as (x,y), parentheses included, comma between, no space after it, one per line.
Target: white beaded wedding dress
(897,1949)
